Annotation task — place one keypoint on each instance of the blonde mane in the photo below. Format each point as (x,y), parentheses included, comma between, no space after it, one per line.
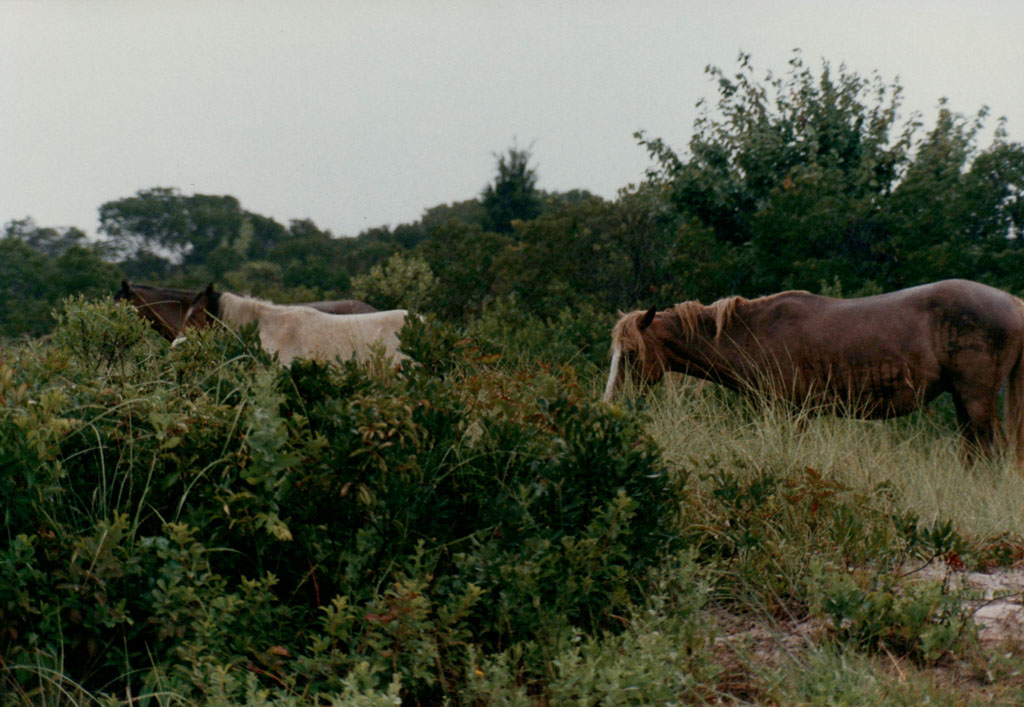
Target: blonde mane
(237,310)
(721,311)
(626,334)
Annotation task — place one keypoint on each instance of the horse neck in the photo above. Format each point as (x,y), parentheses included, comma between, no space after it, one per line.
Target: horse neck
(163,313)
(704,343)
(236,310)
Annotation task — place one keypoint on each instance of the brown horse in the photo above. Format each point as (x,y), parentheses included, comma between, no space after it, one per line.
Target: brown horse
(876,357)
(164,308)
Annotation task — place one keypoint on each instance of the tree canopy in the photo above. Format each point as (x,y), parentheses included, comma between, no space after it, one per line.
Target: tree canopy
(813,178)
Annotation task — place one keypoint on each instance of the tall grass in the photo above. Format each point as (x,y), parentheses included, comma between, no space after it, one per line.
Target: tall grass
(918,457)
(804,519)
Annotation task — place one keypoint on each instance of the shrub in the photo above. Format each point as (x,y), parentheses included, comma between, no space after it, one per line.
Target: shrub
(579,336)
(98,334)
(199,522)
(402,282)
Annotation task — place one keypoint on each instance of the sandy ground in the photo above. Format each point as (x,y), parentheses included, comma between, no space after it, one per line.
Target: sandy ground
(999,606)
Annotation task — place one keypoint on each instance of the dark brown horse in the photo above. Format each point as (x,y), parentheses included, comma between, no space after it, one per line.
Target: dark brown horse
(165,308)
(880,356)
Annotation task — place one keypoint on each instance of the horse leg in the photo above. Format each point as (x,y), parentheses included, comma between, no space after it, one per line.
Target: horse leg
(977,416)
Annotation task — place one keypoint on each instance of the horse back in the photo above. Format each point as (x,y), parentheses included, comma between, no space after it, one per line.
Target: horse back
(892,351)
(303,332)
(946,316)
(341,306)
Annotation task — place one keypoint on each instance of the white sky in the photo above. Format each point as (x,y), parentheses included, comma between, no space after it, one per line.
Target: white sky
(361,114)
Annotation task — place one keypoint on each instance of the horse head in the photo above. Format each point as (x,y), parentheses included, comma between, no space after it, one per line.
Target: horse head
(197,313)
(635,352)
(161,309)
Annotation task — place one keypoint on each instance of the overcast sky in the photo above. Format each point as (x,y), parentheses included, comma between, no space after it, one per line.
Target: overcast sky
(361,114)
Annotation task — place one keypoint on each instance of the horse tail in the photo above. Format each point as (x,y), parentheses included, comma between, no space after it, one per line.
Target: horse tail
(1014,411)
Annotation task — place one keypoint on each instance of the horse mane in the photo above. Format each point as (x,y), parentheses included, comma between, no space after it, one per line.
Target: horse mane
(722,312)
(166,291)
(242,309)
(627,333)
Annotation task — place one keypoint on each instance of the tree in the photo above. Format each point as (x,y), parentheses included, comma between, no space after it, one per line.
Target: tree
(164,223)
(513,195)
(313,259)
(39,267)
(564,258)
(48,241)
(815,177)
(26,290)
(461,256)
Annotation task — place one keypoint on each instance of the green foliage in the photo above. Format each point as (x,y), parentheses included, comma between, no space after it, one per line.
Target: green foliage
(97,334)
(462,257)
(51,242)
(39,267)
(562,258)
(402,282)
(836,675)
(311,258)
(663,655)
(196,520)
(751,522)
(170,225)
(513,196)
(576,337)
(808,177)
(924,620)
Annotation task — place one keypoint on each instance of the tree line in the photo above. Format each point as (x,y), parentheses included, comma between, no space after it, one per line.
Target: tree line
(809,179)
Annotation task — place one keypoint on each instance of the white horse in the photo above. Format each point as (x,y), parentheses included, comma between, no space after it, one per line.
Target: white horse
(293,331)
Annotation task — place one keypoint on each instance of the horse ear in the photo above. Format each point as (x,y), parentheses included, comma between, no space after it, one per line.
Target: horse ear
(202,299)
(648,317)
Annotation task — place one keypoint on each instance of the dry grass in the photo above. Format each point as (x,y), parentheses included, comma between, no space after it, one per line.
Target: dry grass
(911,464)
(917,456)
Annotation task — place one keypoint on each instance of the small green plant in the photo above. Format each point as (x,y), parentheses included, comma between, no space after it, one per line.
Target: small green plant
(756,525)
(922,620)
(833,674)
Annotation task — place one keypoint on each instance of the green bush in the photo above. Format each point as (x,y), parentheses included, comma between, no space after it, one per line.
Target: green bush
(97,334)
(577,337)
(401,282)
(198,522)
(758,526)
